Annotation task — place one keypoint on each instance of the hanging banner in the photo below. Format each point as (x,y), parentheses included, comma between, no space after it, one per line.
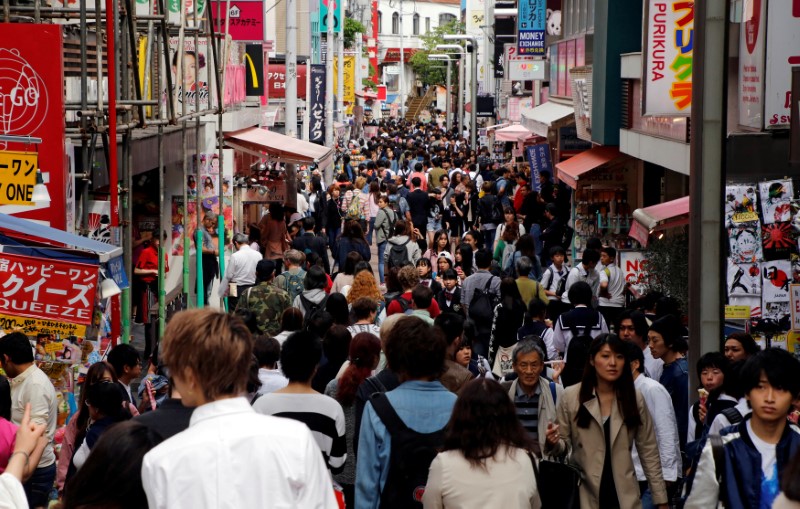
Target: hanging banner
(783,52)
(193,88)
(751,63)
(17,177)
(47,289)
(531,23)
(317,105)
(349,77)
(540,160)
(323,16)
(667,73)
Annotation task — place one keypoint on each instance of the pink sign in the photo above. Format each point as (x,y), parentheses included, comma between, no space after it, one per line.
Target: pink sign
(247,19)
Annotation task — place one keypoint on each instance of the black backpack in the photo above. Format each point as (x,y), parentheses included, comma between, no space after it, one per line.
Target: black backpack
(398,255)
(392,216)
(312,309)
(577,353)
(481,307)
(410,458)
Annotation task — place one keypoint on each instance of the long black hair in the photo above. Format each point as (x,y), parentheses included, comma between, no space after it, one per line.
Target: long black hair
(5,399)
(623,386)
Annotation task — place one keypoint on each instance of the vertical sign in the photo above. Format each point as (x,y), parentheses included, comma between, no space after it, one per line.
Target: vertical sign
(323,16)
(531,23)
(316,133)
(540,160)
(634,270)
(254,70)
(783,52)
(667,73)
(751,64)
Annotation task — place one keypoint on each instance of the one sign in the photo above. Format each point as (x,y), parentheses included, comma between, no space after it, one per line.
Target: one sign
(569,144)
(531,22)
(316,131)
(17,177)
(667,73)
(47,289)
(246,19)
(499,68)
(323,16)
(32,104)
(783,52)
(116,270)
(190,86)
(276,81)
(794,295)
(34,326)
(634,269)
(540,160)
(751,63)
(254,70)
(521,70)
(738,312)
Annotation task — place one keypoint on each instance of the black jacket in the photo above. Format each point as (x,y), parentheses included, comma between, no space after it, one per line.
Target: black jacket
(309,241)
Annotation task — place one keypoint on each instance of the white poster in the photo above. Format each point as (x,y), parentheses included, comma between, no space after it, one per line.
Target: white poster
(776,200)
(741,205)
(667,61)
(751,63)
(783,52)
(99,219)
(776,277)
(745,243)
(744,279)
(193,89)
(634,270)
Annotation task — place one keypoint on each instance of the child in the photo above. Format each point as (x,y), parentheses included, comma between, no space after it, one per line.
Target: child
(762,444)
(712,371)
(551,281)
(449,298)
(425,271)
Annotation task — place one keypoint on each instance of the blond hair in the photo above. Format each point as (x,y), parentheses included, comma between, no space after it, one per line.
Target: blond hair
(364,285)
(360,183)
(215,346)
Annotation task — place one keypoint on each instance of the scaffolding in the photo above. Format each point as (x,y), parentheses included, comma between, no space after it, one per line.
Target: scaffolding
(114,45)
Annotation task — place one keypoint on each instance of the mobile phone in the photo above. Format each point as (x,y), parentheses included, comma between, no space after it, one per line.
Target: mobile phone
(149,388)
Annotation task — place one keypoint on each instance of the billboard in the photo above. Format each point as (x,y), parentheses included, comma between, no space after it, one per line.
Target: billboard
(783,52)
(316,133)
(751,63)
(246,19)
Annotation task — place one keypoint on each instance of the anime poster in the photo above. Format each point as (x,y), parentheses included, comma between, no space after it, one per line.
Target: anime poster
(740,205)
(778,312)
(744,279)
(745,243)
(776,198)
(776,276)
(778,241)
(206,173)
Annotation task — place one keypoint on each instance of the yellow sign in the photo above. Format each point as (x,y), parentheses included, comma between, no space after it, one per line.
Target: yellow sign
(17,177)
(737,312)
(349,72)
(33,326)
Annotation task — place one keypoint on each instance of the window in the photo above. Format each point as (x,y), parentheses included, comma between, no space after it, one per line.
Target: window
(395,23)
(415,24)
(446,18)
(380,22)
(427,25)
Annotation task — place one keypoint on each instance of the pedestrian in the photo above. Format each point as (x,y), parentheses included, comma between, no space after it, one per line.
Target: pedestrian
(104,402)
(335,346)
(455,375)
(210,251)
(508,317)
(632,327)
(667,342)
(584,272)
(146,276)
(480,293)
(372,204)
(536,324)
(739,346)
(313,296)
(240,274)
(385,220)
(274,234)
(333,219)
(352,239)
(266,300)
(611,296)
(127,367)
(309,242)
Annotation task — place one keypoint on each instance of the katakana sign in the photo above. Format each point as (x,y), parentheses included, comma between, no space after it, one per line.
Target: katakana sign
(34,326)
(532,20)
(17,177)
(667,58)
(47,289)
(539,159)
(316,132)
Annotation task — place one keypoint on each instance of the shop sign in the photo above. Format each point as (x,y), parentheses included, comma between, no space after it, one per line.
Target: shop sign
(569,144)
(34,326)
(737,312)
(783,52)
(751,64)
(245,19)
(349,73)
(323,16)
(539,159)
(634,270)
(531,23)
(254,75)
(520,70)
(17,177)
(276,81)
(32,104)
(266,192)
(47,289)
(485,106)
(794,295)
(668,62)
(116,270)
(316,132)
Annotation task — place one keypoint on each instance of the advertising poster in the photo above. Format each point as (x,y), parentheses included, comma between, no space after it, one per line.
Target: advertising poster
(776,277)
(745,243)
(783,52)
(741,205)
(193,89)
(744,279)
(634,270)
(316,133)
(751,63)
(776,198)
(99,219)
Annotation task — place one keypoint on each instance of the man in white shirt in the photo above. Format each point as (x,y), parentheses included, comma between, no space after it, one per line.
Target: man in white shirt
(241,271)
(659,404)
(29,385)
(611,298)
(632,327)
(584,271)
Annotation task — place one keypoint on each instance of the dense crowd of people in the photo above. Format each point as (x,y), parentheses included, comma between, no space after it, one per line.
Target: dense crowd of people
(477,367)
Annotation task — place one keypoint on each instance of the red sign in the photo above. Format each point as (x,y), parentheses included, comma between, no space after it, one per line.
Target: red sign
(276,81)
(393,54)
(32,104)
(247,19)
(47,288)
(381,92)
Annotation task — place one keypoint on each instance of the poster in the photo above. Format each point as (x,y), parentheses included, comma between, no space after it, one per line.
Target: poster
(349,72)
(99,220)
(634,270)
(743,279)
(783,52)
(745,243)
(776,276)
(207,204)
(52,348)
(193,89)
(741,205)
(795,306)
(778,241)
(752,36)
(776,197)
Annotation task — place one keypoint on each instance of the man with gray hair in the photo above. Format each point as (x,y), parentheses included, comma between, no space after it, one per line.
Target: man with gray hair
(240,274)
(292,280)
(534,396)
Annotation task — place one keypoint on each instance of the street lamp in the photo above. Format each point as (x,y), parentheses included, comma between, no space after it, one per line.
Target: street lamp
(448,107)
(459,50)
(474,87)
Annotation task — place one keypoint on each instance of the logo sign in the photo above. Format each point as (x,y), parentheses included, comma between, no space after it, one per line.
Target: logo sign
(116,269)
(531,23)
(316,131)
(634,270)
(246,19)
(540,160)
(668,60)
(521,70)
(47,289)
(32,104)
(783,52)
(254,69)
(17,177)
(751,64)
(323,16)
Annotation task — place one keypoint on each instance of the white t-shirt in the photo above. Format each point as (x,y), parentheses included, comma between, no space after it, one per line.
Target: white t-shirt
(616,286)
(769,462)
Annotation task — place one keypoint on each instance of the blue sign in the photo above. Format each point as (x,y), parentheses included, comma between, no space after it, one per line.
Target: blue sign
(532,21)
(116,269)
(540,160)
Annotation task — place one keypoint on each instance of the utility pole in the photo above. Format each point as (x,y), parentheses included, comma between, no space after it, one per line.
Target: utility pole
(449,97)
(402,66)
(462,71)
(340,75)
(329,75)
(291,68)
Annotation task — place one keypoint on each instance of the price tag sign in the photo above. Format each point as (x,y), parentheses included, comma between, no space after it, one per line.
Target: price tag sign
(738,312)
(17,177)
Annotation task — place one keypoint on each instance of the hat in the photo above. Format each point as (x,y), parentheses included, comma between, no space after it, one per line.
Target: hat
(448,256)
(297,216)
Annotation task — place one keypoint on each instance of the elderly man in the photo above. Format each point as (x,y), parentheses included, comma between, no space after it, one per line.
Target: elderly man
(241,271)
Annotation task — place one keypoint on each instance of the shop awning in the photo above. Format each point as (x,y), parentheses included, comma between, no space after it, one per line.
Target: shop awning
(512,133)
(260,142)
(393,54)
(570,171)
(369,96)
(19,228)
(546,116)
(659,217)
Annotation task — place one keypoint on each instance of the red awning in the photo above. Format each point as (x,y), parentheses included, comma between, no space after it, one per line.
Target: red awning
(659,217)
(393,54)
(261,142)
(569,171)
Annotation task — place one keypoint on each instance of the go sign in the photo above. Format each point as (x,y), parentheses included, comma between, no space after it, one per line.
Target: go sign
(17,177)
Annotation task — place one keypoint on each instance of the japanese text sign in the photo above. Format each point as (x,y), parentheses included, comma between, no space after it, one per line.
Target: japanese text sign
(540,160)
(276,81)
(531,22)
(246,19)
(668,58)
(783,52)
(116,269)
(47,288)
(752,36)
(316,129)
(17,177)
(34,326)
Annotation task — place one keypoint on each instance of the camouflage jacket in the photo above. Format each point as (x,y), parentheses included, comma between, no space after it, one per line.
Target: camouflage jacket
(267,302)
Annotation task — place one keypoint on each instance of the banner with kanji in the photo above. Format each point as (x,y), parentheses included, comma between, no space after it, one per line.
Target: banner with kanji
(47,289)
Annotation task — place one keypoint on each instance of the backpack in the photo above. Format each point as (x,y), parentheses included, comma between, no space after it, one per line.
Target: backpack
(481,307)
(566,236)
(293,283)
(577,354)
(409,460)
(394,206)
(561,287)
(405,305)
(312,309)
(398,255)
(354,212)
(733,415)
(392,217)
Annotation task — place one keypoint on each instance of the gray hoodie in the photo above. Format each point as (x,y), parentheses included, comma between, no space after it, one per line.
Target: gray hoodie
(314,296)
(414,252)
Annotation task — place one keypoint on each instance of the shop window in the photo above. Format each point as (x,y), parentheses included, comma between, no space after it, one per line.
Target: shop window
(395,23)
(427,25)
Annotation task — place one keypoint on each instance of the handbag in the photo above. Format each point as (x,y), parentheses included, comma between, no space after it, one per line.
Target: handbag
(563,483)
(502,361)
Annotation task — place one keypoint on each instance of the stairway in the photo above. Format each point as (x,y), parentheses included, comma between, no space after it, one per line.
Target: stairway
(416,105)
